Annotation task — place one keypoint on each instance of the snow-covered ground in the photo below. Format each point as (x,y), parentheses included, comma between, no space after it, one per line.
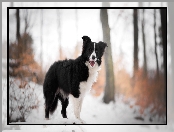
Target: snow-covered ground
(94,111)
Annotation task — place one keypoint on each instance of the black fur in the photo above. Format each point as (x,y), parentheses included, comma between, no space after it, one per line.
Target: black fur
(66,76)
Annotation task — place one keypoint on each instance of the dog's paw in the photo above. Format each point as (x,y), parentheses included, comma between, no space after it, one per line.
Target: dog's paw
(64,114)
(82,121)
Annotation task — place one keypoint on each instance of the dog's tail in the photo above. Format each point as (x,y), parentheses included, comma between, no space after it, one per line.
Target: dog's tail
(54,105)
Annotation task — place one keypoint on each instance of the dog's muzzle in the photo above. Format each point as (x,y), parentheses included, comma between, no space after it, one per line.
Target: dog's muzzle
(92,63)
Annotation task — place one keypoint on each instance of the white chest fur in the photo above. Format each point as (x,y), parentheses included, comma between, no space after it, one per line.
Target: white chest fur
(85,86)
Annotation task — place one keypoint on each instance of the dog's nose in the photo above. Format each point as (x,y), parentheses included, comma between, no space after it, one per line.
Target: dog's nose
(93,57)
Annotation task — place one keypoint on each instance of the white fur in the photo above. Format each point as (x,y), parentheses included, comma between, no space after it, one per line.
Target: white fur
(93,54)
(62,93)
(85,86)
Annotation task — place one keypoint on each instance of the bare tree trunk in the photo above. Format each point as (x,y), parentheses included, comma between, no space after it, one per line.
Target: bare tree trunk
(109,92)
(155,37)
(144,44)
(135,22)
(18,32)
(18,25)
(163,13)
(26,21)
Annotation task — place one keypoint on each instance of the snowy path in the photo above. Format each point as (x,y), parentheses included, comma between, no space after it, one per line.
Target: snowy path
(93,112)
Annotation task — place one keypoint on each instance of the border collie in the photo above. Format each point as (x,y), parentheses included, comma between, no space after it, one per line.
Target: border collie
(72,77)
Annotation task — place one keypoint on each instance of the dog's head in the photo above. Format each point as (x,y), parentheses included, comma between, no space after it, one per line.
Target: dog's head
(92,51)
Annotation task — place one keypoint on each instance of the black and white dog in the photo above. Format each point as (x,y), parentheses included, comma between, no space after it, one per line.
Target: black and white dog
(72,77)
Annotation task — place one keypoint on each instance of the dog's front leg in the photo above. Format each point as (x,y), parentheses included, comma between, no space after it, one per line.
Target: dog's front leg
(77,103)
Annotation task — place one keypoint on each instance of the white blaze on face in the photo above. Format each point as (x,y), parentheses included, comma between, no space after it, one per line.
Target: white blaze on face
(91,60)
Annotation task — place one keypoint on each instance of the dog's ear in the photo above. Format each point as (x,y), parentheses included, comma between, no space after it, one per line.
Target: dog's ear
(103,44)
(86,39)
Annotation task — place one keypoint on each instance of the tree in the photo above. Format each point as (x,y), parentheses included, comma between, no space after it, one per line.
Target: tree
(163,13)
(18,25)
(26,19)
(144,44)
(135,23)
(18,30)
(109,91)
(155,37)
(22,64)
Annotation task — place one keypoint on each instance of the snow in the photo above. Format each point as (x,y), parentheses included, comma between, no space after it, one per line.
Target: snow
(94,111)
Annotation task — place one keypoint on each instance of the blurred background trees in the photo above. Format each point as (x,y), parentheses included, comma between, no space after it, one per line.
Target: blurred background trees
(135,23)
(163,13)
(134,64)
(21,56)
(155,39)
(144,44)
(109,93)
